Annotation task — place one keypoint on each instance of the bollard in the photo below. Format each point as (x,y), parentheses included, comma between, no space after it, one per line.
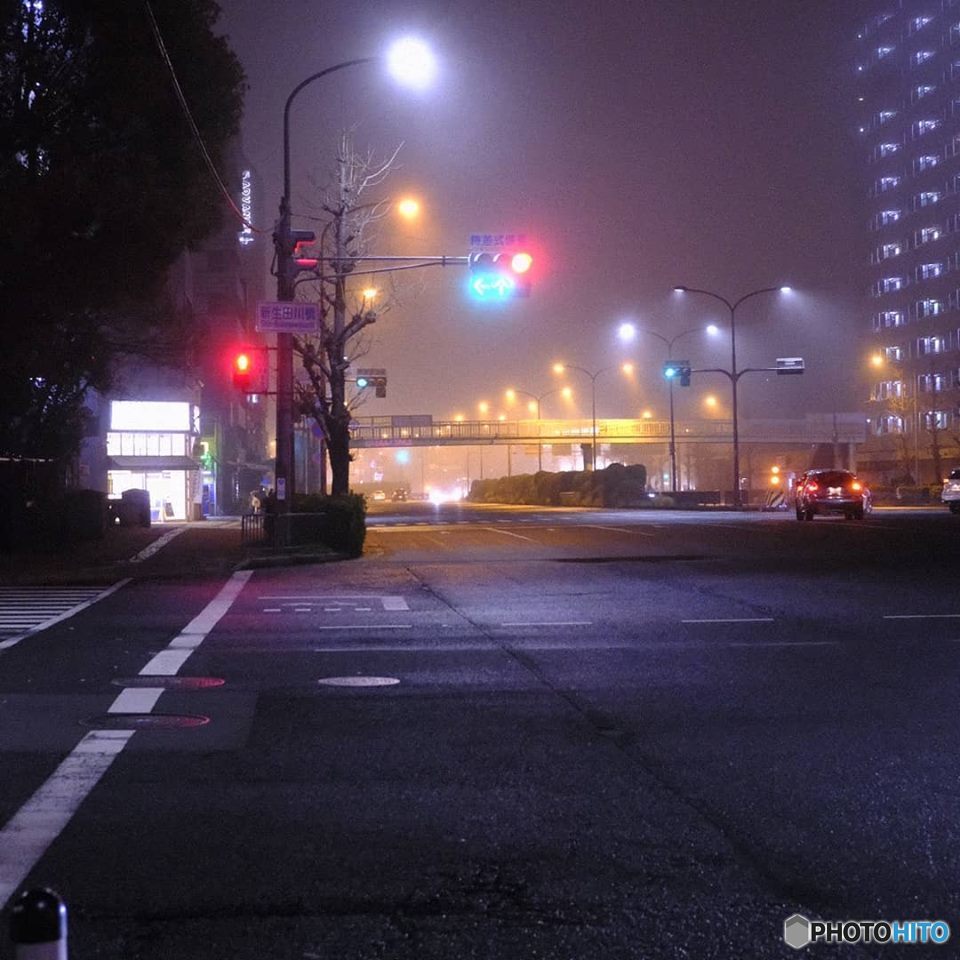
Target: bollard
(38,925)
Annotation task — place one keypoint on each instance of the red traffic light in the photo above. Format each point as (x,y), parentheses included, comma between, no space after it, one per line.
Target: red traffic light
(245,371)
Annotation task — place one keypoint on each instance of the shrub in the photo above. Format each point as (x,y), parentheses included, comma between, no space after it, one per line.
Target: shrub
(341,523)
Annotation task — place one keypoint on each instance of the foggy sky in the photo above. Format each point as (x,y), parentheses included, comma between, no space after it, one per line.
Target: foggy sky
(637,144)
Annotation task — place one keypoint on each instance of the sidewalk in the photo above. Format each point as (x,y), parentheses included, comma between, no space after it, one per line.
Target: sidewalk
(209,547)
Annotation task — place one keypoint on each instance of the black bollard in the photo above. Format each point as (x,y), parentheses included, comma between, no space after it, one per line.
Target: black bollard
(38,925)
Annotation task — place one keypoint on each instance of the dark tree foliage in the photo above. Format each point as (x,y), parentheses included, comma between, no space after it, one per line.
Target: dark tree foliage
(101,187)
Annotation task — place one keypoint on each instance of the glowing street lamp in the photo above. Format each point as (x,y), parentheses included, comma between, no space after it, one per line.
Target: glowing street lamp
(733,374)
(560,368)
(412,64)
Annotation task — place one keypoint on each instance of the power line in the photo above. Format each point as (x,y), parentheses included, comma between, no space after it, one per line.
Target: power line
(197,136)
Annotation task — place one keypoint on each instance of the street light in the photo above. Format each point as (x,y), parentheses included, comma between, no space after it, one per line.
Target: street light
(559,368)
(628,331)
(733,374)
(411,63)
(537,399)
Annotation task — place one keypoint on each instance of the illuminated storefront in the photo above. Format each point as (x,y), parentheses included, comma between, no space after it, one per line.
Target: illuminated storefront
(150,446)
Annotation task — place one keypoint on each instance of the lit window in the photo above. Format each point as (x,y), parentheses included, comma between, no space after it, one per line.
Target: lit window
(889,284)
(890,318)
(886,149)
(918,23)
(884,52)
(888,183)
(921,56)
(928,345)
(930,308)
(894,354)
(890,423)
(923,90)
(922,127)
(936,419)
(933,382)
(889,216)
(885,116)
(927,161)
(928,198)
(888,389)
(928,234)
(890,250)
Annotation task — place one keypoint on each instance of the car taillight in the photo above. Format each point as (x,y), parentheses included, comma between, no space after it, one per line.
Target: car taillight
(812,487)
(856,485)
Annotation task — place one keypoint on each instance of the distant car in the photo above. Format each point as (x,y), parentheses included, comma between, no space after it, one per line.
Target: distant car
(950,494)
(379,495)
(831,491)
(398,495)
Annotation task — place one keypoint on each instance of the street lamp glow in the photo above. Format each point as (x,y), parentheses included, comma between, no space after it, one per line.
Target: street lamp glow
(627,332)
(411,62)
(877,360)
(786,289)
(532,406)
(369,293)
(712,329)
(559,367)
(567,393)
(710,400)
(510,394)
(627,368)
(647,415)
(408,208)
(483,407)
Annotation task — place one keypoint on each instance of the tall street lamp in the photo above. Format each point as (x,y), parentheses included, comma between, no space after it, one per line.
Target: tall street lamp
(559,368)
(537,398)
(733,374)
(627,332)
(410,62)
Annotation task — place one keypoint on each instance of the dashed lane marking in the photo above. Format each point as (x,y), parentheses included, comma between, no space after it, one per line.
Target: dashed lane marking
(733,620)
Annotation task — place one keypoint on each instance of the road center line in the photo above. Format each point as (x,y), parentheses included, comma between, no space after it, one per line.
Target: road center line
(507,533)
(631,530)
(548,623)
(733,620)
(922,616)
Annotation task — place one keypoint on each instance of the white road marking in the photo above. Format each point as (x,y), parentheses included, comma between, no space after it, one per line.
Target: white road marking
(788,643)
(548,623)
(136,700)
(88,597)
(32,829)
(367,626)
(923,616)
(507,533)
(335,604)
(630,530)
(168,662)
(158,544)
(733,620)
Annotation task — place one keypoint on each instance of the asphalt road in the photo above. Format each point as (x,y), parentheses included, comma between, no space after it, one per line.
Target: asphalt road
(501,733)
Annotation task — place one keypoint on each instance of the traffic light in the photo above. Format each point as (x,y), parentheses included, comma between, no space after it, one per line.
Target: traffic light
(242,371)
(677,370)
(299,239)
(372,378)
(249,369)
(500,276)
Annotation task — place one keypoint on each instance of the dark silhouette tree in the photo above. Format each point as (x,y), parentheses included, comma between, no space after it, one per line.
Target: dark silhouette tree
(102,186)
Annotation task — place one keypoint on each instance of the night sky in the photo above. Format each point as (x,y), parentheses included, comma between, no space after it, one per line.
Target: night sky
(637,144)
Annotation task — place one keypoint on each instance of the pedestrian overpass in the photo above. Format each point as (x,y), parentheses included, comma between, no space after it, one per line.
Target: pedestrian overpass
(848,429)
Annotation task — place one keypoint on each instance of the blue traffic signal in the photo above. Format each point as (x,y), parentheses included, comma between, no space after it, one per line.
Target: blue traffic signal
(495,277)
(677,370)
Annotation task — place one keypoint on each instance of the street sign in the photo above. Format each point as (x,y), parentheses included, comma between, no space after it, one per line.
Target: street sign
(282,317)
(788,365)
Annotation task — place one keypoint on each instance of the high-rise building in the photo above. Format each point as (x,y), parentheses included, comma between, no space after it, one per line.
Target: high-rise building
(908,69)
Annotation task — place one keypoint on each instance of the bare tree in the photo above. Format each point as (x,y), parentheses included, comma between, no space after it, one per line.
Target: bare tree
(348,218)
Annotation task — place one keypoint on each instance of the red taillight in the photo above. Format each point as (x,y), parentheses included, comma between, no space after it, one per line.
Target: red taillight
(856,485)
(812,487)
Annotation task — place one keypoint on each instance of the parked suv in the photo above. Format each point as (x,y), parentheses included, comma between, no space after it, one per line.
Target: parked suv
(831,491)
(950,494)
